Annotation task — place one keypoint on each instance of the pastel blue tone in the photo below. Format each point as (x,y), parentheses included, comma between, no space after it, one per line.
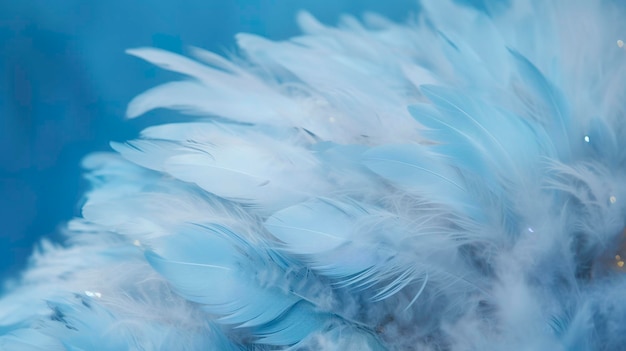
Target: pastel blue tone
(452,182)
(65,83)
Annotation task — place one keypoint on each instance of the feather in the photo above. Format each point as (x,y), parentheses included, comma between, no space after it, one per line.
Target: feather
(228,161)
(452,183)
(364,248)
(409,166)
(230,286)
(550,100)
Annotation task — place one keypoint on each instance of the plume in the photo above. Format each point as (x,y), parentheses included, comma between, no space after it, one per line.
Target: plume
(456,182)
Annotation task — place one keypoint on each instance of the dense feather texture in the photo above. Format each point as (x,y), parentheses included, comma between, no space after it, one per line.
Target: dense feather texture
(456,183)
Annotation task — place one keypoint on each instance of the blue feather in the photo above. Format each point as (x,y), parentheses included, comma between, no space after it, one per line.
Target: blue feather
(456,183)
(545,104)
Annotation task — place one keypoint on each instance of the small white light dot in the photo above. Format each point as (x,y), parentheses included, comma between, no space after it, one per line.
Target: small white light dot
(531,230)
(620,43)
(586,138)
(613,199)
(137,242)
(331,119)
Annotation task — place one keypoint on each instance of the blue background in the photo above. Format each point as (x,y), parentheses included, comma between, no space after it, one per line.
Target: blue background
(65,82)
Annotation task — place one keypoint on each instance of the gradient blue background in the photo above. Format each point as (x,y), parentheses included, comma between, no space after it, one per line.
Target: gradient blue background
(65,82)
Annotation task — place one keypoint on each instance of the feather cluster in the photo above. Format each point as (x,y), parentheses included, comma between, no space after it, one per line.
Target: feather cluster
(454,183)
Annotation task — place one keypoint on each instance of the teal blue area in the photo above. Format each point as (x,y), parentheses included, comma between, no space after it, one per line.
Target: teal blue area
(65,82)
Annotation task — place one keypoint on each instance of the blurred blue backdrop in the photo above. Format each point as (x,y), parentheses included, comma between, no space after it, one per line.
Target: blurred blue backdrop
(65,82)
